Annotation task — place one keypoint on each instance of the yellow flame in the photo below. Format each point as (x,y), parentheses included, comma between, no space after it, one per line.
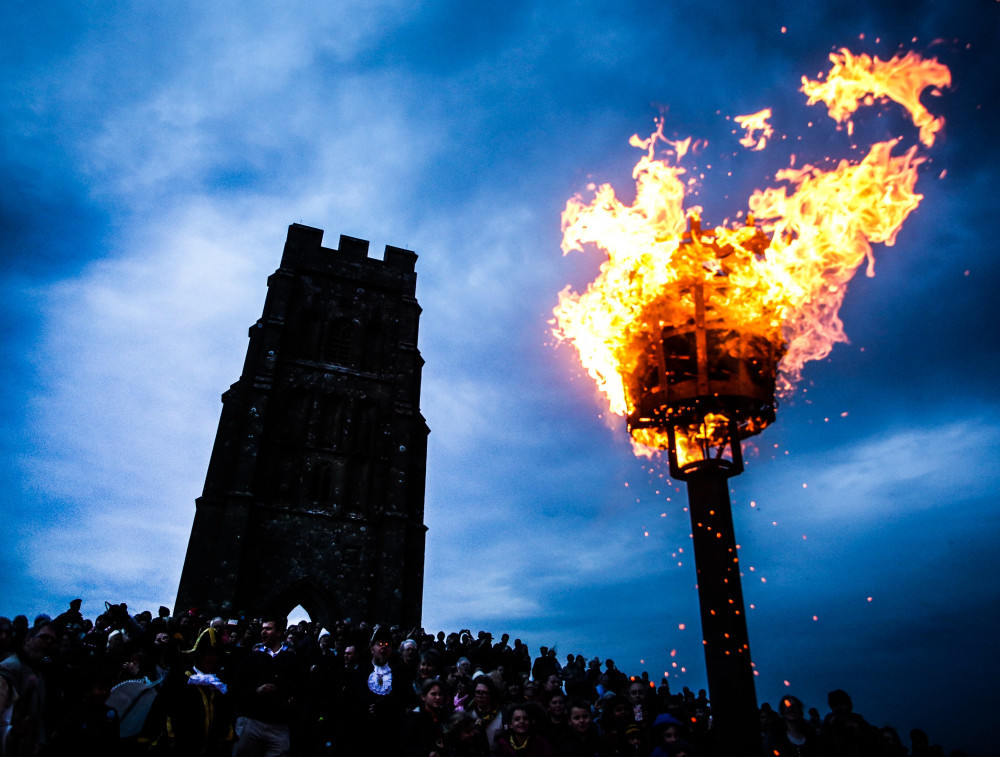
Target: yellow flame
(785,271)
(857,79)
(753,123)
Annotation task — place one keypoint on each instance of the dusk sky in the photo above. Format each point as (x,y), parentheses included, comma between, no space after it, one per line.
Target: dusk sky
(154,154)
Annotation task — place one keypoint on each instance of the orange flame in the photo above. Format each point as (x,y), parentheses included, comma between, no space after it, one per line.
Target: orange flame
(782,276)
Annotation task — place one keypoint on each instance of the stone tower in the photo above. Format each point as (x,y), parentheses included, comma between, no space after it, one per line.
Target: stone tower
(315,489)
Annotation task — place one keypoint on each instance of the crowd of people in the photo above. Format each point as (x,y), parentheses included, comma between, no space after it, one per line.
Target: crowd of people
(135,685)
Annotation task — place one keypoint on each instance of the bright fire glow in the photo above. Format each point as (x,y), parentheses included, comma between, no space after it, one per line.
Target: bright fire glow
(756,122)
(781,276)
(856,79)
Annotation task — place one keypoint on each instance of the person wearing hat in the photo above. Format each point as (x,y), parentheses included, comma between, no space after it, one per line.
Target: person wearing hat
(197,702)
(667,732)
(375,700)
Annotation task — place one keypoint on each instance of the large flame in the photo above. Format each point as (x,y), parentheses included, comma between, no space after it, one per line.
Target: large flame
(856,79)
(785,270)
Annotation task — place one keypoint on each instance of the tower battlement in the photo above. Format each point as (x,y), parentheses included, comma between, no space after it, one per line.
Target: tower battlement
(314,494)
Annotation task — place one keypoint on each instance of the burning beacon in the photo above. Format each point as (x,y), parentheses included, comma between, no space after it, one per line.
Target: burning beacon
(692,333)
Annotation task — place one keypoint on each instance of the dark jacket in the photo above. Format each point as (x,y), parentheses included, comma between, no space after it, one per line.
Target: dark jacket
(283,670)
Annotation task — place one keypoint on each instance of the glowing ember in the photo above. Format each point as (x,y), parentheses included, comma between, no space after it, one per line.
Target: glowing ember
(753,301)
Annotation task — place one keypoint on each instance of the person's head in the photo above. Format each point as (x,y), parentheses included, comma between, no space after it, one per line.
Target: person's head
(637,692)
(409,653)
(381,646)
(207,650)
(890,737)
(667,728)
(430,662)
(40,642)
(839,702)
(579,717)
(520,721)
(462,728)
(609,664)
(633,736)
(700,718)
(75,604)
(272,632)
(463,686)
(350,656)
(557,706)
(671,734)
(619,709)
(433,696)
(553,684)
(483,694)
(790,709)
(464,666)
(515,690)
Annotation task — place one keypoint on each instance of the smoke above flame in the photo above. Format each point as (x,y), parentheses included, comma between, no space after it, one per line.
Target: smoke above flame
(785,270)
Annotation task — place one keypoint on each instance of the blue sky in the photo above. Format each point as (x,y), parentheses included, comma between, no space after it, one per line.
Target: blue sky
(154,155)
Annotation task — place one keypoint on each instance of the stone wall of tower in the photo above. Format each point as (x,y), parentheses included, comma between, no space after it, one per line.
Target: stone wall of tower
(315,489)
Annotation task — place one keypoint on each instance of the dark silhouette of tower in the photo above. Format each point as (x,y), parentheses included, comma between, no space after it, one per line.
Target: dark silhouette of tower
(315,491)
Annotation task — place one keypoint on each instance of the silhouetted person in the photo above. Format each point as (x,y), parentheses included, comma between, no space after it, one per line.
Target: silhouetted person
(22,673)
(845,732)
(791,735)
